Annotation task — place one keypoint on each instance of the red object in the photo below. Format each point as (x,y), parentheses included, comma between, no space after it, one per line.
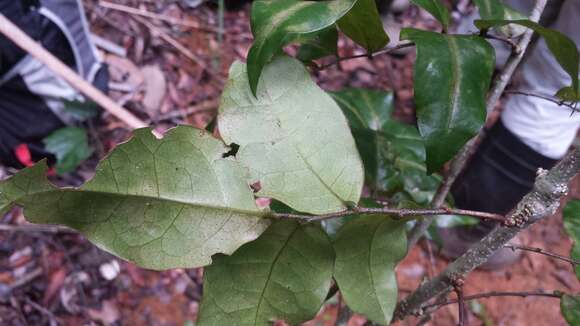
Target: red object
(23,155)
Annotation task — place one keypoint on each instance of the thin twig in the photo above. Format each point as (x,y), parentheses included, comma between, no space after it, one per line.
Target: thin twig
(541,251)
(148,14)
(173,42)
(15,34)
(514,46)
(572,105)
(36,228)
(205,106)
(461,306)
(432,307)
(460,161)
(367,55)
(27,278)
(397,212)
(52,319)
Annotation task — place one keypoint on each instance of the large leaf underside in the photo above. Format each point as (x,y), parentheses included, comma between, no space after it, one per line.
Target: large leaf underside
(293,137)
(285,274)
(162,204)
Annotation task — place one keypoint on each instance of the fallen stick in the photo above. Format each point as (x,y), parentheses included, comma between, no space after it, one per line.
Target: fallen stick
(16,35)
(148,14)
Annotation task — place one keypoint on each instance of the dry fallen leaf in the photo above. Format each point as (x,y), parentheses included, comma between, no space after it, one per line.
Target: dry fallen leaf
(155,89)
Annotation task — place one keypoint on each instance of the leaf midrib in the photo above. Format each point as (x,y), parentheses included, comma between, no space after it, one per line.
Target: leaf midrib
(455,87)
(176,201)
(278,254)
(371,274)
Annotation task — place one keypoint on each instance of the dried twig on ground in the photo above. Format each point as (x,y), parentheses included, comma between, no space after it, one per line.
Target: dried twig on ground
(15,34)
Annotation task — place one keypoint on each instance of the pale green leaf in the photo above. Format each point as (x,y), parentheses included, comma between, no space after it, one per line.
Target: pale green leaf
(284,274)
(277,23)
(162,204)
(452,76)
(70,145)
(364,26)
(293,138)
(367,251)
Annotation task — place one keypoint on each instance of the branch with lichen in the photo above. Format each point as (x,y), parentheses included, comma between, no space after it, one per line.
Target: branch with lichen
(544,199)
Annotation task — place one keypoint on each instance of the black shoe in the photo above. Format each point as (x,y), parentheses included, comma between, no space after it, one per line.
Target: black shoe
(500,173)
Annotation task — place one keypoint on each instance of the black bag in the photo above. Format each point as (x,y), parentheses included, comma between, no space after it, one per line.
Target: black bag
(32,98)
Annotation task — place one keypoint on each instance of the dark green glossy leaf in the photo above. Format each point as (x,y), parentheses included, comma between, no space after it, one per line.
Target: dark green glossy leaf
(490,9)
(563,48)
(393,153)
(320,45)
(570,307)
(70,145)
(452,76)
(367,251)
(365,108)
(435,8)
(572,226)
(277,23)
(161,203)
(81,110)
(285,274)
(496,9)
(364,26)
(293,138)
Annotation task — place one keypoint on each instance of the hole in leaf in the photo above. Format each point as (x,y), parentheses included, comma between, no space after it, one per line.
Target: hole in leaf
(256,186)
(233,150)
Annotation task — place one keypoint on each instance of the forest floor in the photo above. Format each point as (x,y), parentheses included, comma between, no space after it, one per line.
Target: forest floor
(49,278)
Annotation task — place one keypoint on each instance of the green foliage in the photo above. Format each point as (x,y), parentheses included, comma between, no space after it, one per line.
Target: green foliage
(496,9)
(319,45)
(278,23)
(285,274)
(81,110)
(288,134)
(162,204)
(572,226)
(364,26)
(452,76)
(563,48)
(187,199)
(367,250)
(570,307)
(568,94)
(437,9)
(393,153)
(70,145)
(365,108)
